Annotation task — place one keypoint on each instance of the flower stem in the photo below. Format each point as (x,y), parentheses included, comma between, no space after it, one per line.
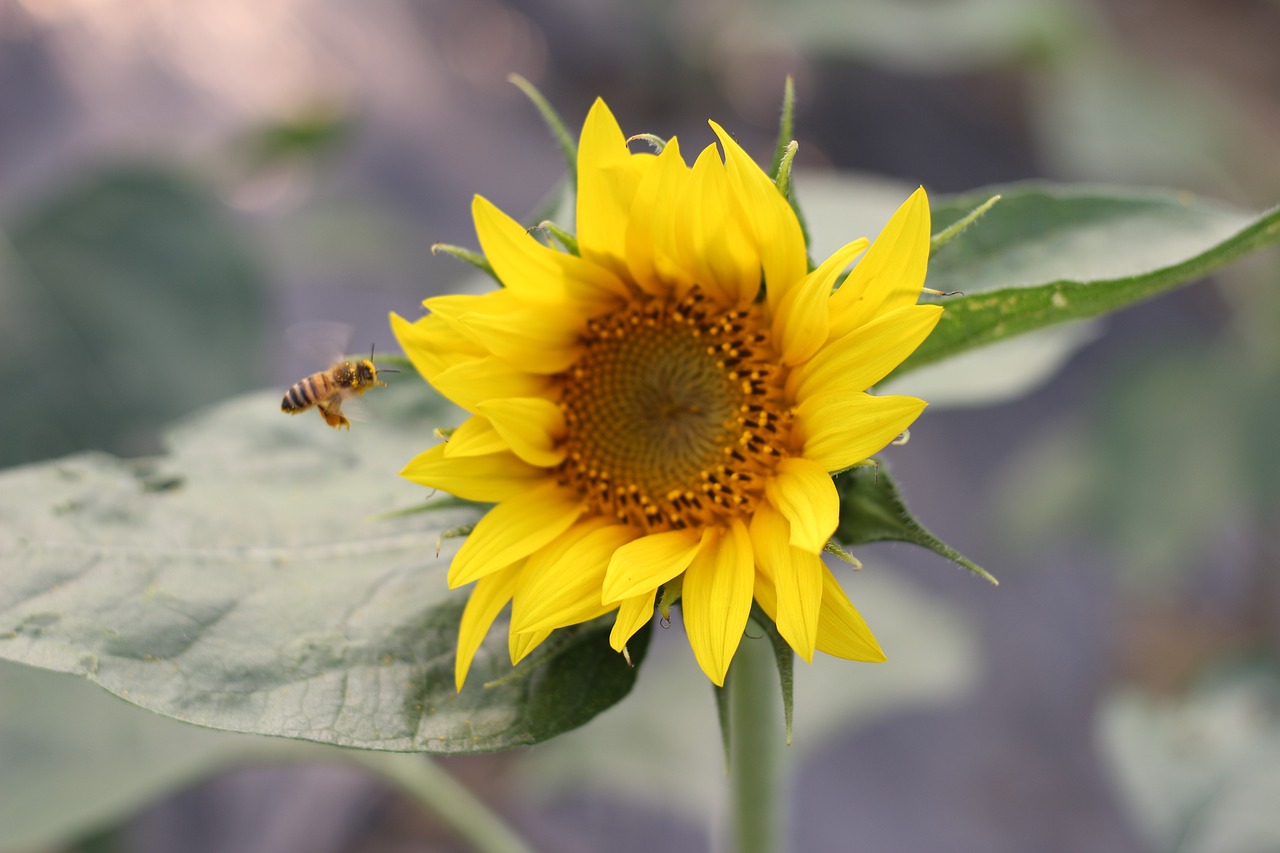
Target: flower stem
(756,738)
(433,788)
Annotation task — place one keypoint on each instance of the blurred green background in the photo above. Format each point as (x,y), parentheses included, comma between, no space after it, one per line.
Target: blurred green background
(181,181)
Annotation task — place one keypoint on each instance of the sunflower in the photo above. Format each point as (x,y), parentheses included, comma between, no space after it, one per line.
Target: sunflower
(662,410)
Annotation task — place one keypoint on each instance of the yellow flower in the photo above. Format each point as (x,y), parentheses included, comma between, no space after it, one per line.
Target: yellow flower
(644,419)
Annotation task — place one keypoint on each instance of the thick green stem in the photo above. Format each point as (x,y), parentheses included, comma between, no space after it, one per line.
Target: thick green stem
(756,739)
(432,787)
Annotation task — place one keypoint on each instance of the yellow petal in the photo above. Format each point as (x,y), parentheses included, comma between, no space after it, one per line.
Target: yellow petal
(840,429)
(892,272)
(799,585)
(486,602)
(856,362)
(633,614)
(717,597)
(712,239)
(648,562)
(475,437)
(490,478)
(514,529)
(803,492)
(519,645)
(779,242)
(651,230)
(796,577)
(802,321)
(562,586)
(432,345)
(842,632)
(608,175)
(472,382)
(538,341)
(536,273)
(532,426)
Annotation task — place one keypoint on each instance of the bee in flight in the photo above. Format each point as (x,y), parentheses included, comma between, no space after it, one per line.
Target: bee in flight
(327,389)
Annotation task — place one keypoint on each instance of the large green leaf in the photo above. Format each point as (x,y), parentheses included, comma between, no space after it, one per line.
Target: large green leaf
(1038,260)
(1044,256)
(248,582)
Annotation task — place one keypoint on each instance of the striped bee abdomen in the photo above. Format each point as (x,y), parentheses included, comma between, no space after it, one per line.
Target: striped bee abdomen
(307,392)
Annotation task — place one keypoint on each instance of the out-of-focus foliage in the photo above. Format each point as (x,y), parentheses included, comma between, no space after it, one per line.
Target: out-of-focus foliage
(939,36)
(1174,461)
(74,759)
(1201,772)
(129,299)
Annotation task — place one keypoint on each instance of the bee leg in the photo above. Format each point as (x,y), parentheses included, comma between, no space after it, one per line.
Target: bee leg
(333,416)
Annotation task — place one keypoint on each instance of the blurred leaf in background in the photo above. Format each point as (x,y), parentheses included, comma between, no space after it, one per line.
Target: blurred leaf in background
(129,299)
(1201,772)
(74,760)
(1172,465)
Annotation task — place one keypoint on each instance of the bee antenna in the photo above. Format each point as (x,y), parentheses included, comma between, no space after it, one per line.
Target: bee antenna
(387,370)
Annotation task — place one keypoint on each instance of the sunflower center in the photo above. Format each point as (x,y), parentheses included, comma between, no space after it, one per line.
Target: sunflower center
(674,412)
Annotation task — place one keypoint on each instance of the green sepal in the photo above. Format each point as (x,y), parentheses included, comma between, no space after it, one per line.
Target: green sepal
(657,143)
(568,148)
(784,152)
(954,230)
(671,591)
(783,180)
(445,502)
(470,256)
(786,126)
(842,555)
(785,657)
(872,510)
(562,236)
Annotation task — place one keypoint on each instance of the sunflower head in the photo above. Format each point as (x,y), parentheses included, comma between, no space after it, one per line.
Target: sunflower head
(665,409)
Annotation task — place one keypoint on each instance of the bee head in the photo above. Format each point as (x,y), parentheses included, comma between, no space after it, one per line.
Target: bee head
(372,374)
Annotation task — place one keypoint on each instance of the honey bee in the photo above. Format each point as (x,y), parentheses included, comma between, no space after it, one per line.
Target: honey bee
(328,388)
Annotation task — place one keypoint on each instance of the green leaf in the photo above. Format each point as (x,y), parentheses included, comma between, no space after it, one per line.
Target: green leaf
(872,510)
(130,300)
(1044,256)
(1015,248)
(246,582)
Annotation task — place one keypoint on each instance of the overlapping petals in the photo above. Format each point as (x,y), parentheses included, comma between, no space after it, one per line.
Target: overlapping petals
(652,227)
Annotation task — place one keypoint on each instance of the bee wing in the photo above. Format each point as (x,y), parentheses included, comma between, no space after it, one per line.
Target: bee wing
(356,410)
(322,342)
